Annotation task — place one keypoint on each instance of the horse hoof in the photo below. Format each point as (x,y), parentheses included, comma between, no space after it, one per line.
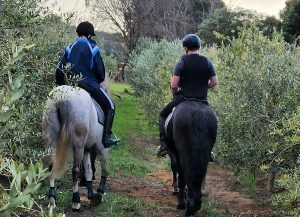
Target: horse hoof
(76,207)
(96,200)
(52,203)
(175,191)
(181,206)
(188,212)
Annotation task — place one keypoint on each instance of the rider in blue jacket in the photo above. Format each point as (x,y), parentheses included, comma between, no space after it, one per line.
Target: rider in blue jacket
(85,60)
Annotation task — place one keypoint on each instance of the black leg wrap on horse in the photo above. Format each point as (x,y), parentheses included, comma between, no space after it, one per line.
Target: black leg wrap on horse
(181,202)
(190,206)
(101,188)
(89,186)
(76,197)
(52,193)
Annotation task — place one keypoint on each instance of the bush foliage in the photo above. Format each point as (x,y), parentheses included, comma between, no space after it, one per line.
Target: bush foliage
(150,72)
(258,89)
(28,25)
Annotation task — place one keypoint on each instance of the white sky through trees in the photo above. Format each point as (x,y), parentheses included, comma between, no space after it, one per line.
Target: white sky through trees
(267,7)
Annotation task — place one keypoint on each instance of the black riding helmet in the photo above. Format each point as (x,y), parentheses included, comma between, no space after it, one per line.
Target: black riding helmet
(191,42)
(85,28)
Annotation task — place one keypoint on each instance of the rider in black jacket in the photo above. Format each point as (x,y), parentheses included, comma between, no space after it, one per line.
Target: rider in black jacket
(192,77)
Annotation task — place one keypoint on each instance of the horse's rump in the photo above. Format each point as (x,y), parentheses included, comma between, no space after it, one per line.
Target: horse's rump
(195,124)
(70,125)
(70,120)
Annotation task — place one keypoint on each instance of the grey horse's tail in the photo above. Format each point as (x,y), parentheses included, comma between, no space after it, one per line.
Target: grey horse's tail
(63,147)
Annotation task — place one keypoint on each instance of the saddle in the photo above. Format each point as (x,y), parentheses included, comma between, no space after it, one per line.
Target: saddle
(100,112)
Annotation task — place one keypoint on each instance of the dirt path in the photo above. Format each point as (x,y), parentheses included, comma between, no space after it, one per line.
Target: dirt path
(222,186)
(156,191)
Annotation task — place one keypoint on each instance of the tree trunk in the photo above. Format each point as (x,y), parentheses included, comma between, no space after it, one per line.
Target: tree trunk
(121,77)
(271,179)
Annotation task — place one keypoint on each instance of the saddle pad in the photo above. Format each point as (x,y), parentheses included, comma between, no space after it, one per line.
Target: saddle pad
(168,121)
(100,112)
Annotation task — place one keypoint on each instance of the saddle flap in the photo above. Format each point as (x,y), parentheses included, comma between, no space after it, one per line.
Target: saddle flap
(169,121)
(100,112)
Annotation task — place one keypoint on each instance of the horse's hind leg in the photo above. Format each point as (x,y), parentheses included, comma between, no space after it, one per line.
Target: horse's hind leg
(52,193)
(88,174)
(51,129)
(93,156)
(78,155)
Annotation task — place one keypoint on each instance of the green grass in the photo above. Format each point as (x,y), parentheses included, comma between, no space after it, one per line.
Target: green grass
(248,180)
(129,123)
(114,205)
(209,209)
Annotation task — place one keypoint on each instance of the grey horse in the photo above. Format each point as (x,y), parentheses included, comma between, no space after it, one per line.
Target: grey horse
(70,125)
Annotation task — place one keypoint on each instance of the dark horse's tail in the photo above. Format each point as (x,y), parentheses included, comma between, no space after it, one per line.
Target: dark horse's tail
(194,132)
(192,123)
(200,145)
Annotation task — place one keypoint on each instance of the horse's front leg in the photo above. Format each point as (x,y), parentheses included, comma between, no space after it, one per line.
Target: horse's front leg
(175,183)
(78,155)
(88,174)
(181,193)
(104,173)
(103,152)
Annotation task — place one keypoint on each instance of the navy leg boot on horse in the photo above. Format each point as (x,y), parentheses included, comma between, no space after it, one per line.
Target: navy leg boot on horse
(101,188)
(107,141)
(162,150)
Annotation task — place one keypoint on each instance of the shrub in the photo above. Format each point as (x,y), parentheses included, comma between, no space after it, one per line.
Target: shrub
(28,23)
(23,184)
(258,88)
(288,154)
(150,72)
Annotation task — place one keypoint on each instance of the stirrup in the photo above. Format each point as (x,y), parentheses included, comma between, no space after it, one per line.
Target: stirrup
(116,138)
(111,142)
(211,158)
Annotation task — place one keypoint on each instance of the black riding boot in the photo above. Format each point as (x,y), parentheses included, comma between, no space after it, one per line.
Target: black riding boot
(162,150)
(108,121)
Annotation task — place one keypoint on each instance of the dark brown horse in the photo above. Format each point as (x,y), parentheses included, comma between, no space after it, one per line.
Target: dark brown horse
(191,136)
